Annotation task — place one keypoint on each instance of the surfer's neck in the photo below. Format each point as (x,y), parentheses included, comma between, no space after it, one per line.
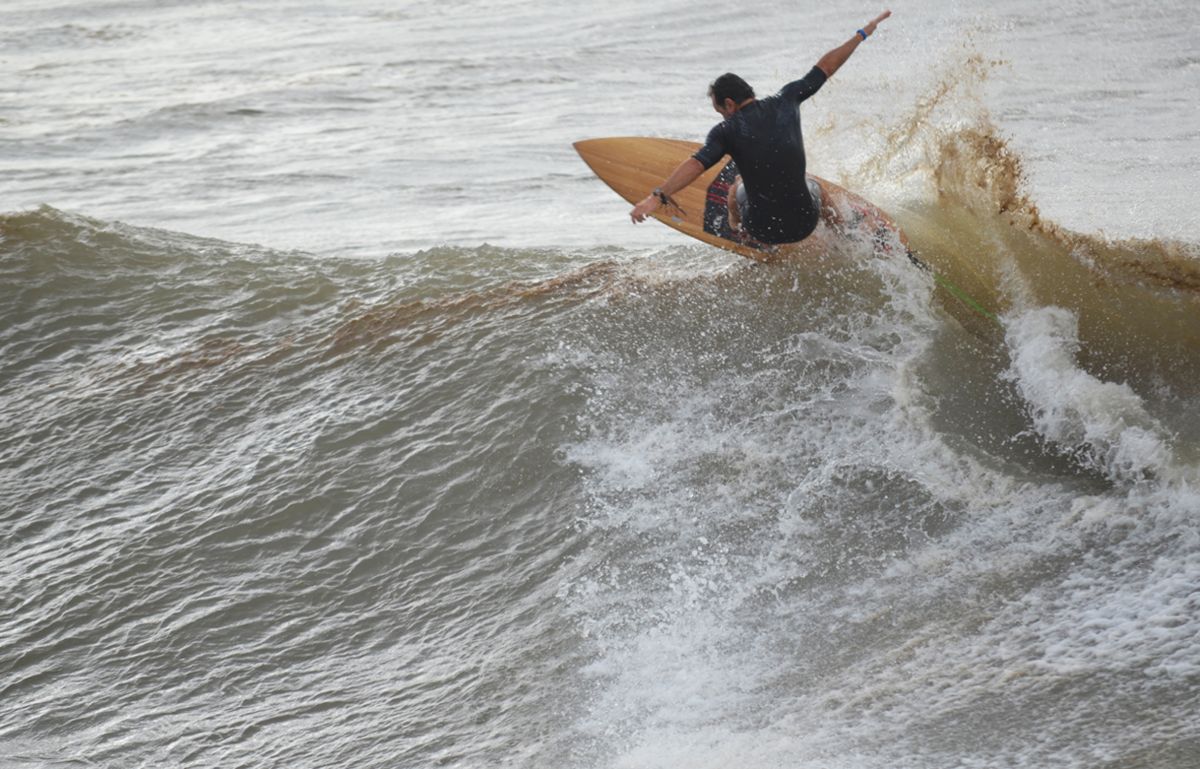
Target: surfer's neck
(729,108)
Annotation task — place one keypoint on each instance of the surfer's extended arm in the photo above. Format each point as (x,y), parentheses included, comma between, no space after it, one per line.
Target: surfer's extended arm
(833,60)
(687,172)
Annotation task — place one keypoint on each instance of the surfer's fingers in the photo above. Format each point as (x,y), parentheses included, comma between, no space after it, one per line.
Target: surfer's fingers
(643,209)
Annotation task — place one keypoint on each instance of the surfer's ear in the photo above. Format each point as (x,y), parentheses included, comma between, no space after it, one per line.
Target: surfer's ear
(726,107)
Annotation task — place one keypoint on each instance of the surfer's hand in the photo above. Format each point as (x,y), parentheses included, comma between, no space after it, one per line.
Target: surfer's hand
(642,210)
(870,28)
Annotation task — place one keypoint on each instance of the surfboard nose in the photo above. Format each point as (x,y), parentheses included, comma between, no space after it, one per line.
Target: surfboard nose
(610,149)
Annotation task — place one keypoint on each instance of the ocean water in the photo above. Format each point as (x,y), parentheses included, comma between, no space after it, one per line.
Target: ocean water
(346,420)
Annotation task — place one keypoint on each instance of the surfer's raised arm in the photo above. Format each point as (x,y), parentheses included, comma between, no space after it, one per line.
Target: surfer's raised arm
(833,60)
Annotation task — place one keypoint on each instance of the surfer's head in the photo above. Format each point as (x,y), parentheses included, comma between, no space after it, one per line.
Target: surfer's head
(728,93)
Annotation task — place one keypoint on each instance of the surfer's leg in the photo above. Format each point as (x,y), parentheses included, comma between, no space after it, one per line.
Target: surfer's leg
(852,216)
(734,201)
(738,203)
(824,199)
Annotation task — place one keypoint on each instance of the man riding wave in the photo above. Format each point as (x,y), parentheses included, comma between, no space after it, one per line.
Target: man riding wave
(772,200)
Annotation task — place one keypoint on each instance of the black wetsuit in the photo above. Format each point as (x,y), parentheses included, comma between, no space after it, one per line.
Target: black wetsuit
(764,140)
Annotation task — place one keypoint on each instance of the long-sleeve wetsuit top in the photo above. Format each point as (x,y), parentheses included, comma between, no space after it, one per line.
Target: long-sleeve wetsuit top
(764,140)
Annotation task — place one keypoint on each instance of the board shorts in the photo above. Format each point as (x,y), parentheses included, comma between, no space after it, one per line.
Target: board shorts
(743,201)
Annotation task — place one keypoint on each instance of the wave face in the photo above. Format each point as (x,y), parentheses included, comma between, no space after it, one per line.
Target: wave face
(561,507)
(379,494)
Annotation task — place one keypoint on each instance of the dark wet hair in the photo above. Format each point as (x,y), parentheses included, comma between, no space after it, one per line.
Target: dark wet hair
(730,86)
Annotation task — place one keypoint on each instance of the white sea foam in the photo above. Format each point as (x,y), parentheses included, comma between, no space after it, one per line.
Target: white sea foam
(1105,425)
(826,579)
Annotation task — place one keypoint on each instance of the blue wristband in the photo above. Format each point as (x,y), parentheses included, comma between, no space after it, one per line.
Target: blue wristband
(864,34)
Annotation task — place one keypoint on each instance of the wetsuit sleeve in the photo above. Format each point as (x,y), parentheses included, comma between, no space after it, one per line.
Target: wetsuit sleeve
(799,90)
(714,147)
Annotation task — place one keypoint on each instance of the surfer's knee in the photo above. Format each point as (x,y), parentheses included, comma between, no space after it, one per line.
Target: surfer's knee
(823,199)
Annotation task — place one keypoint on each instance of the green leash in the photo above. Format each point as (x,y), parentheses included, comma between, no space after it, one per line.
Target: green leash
(955,291)
(965,298)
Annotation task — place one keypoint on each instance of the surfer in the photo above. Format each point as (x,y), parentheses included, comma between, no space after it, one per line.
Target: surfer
(771,200)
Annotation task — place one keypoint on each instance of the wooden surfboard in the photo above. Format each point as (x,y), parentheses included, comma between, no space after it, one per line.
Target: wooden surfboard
(634,165)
